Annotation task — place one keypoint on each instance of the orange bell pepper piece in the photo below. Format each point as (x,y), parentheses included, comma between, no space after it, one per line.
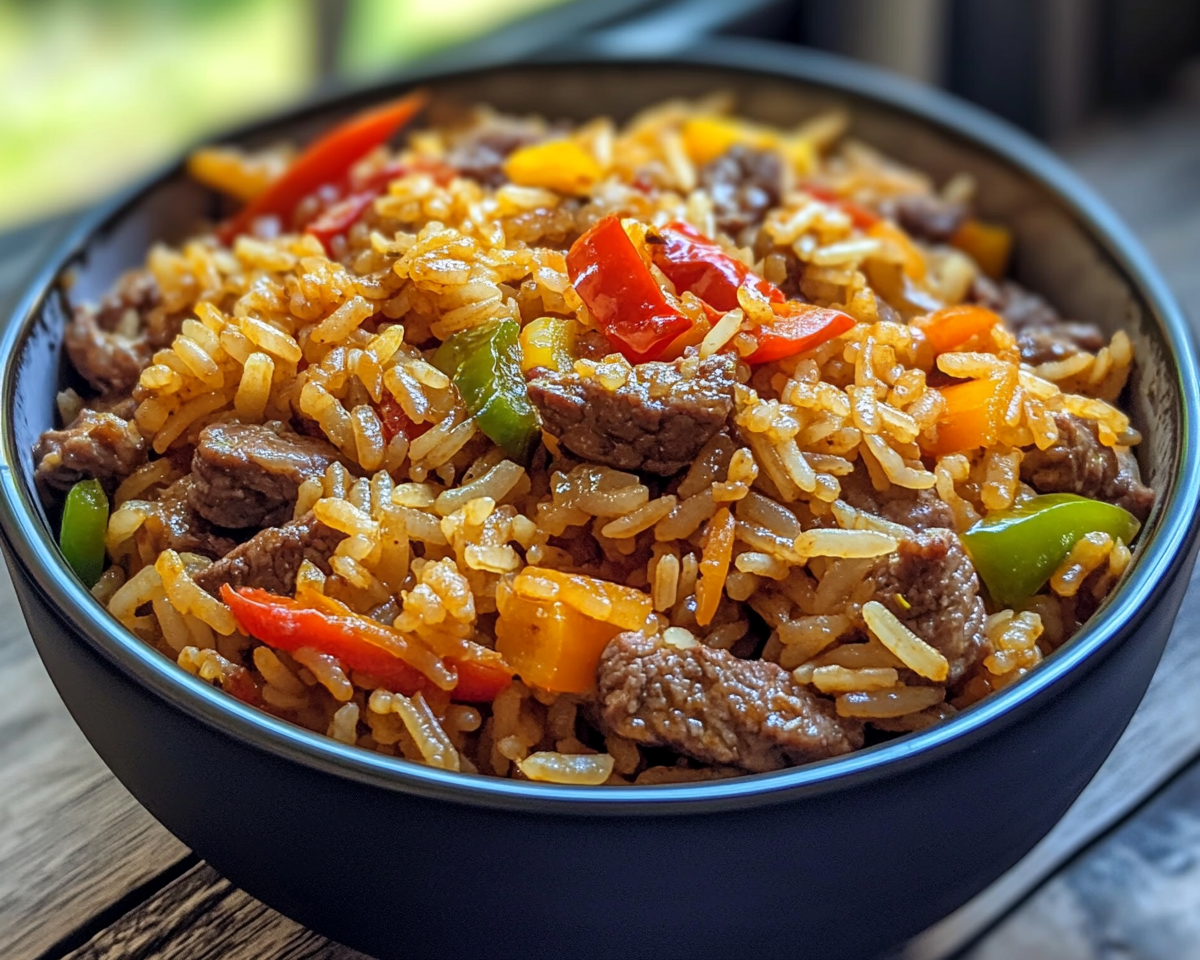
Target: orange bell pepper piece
(549,643)
(988,244)
(951,327)
(967,422)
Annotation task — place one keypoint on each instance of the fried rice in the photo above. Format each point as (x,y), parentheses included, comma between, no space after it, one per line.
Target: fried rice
(767,546)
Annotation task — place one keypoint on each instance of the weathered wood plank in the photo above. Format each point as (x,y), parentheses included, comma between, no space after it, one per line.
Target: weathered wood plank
(201,916)
(72,839)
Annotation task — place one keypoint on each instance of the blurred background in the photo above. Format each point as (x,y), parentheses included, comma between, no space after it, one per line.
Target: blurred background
(97,91)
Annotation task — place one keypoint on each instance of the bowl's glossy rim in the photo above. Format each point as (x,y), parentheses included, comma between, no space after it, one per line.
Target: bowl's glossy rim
(1160,556)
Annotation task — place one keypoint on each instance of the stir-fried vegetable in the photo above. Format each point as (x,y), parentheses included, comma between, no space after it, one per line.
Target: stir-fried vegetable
(356,198)
(553,626)
(859,215)
(394,420)
(327,160)
(630,307)
(988,244)
(798,327)
(81,537)
(1015,551)
(363,644)
(969,418)
(548,342)
(561,165)
(693,262)
(485,364)
(951,327)
(549,643)
(621,293)
(707,137)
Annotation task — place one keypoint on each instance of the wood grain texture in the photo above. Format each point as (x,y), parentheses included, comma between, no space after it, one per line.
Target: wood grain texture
(72,839)
(202,916)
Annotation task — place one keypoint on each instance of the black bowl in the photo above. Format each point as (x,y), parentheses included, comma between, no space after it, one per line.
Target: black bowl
(836,859)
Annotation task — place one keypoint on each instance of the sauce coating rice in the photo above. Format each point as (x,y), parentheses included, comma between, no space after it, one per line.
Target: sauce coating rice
(673,450)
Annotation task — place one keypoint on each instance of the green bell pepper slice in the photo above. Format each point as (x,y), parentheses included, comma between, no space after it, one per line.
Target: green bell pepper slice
(485,364)
(81,537)
(1016,551)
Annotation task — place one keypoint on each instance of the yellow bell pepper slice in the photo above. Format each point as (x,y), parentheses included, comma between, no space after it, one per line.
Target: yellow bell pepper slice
(560,165)
(706,138)
(547,342)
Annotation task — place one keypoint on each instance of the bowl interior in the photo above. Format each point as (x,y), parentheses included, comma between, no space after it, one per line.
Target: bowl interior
(1068,248)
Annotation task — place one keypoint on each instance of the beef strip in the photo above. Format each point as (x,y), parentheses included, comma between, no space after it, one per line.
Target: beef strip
(109,349)
(1043,336)
(925,216)
(942,606)
(103,446)
(480,152)
(716,708)
(744,184)
(657,422)
(183,529)
(1079,463)
(271,558)
(247,475)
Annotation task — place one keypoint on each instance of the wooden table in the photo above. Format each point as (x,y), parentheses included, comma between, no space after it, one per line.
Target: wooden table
(86,872)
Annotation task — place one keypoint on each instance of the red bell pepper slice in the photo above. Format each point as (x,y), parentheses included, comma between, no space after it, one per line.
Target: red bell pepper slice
(336,219)
(798,327)
(859,215)
(327,160)
(693,262)
(395,421)
(620,291)
(360,643)
(346,211)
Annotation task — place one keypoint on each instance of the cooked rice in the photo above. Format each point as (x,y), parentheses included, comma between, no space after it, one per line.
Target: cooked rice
(437,522)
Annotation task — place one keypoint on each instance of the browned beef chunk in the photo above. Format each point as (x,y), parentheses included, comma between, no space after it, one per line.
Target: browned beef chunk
(103,446)
(1079,463)
(271,558)
(923,510)
(942,606)
(917,509)
(716,708)
(111,344)
(657,422)
(744,184)
(480,152)
(247,475)
(1043,336)
(181,528)
(925,216)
